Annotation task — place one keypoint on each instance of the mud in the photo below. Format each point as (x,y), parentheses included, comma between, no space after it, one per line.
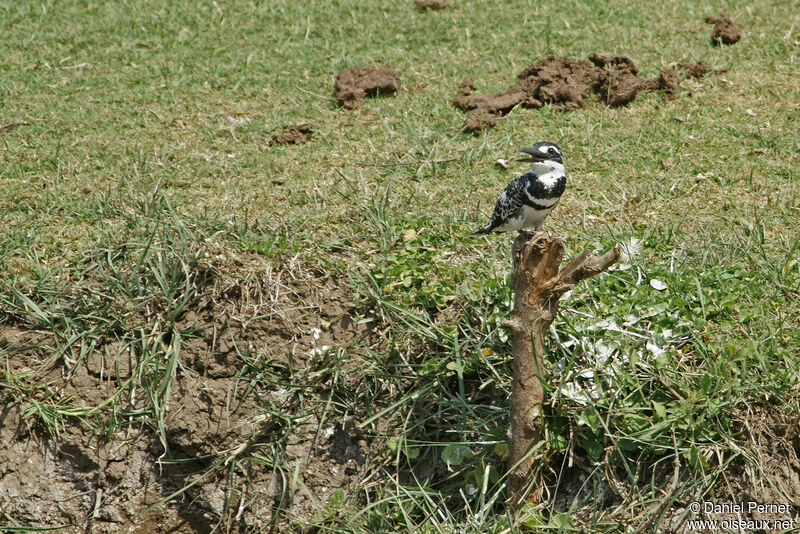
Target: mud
(771,439)
(257,337)
(696,70)
(431,4)
(566,84)
(724,30)
(356,83)
(293,135)
(622,82)
(767,471)
(242,390)
(478,120)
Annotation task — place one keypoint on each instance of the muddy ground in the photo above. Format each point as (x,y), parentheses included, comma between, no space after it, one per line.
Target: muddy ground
(724,30)
(566,84)
(244,387)
(432,4)
(293,135)
(279,318)
(355,84)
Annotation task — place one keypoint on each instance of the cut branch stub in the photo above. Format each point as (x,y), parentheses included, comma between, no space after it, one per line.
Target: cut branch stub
(538,283)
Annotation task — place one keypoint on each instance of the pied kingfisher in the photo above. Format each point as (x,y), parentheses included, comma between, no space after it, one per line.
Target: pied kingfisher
(528,199)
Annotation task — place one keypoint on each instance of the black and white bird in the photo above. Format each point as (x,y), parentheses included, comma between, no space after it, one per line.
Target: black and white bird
(528,199)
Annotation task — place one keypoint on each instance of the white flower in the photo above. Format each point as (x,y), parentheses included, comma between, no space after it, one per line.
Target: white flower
(315,332)
(318,351)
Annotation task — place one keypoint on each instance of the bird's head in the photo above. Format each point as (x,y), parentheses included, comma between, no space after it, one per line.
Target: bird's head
(544,157)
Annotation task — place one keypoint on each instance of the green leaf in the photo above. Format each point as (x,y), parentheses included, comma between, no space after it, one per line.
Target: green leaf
(592,445)
(696,459)
(531,516)
(590,418)
(560,521)
(502,450)
(454,455)
(660,409)
(337,497)
(558,440)
(431,366)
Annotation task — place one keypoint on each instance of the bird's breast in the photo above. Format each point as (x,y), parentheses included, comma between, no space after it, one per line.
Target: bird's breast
(533,217)
(543,188)
(546,186)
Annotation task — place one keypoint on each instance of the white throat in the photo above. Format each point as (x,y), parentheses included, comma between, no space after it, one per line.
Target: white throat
(546,167)
(548,172)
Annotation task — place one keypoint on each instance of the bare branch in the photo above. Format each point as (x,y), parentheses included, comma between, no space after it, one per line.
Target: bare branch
(538,283)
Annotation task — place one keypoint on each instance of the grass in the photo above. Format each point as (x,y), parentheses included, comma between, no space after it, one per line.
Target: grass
(142,181)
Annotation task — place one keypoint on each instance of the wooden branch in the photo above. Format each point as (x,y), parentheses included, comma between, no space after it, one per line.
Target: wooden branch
(538,284)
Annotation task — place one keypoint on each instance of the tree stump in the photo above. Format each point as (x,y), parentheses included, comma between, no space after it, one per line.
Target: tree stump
(538,284)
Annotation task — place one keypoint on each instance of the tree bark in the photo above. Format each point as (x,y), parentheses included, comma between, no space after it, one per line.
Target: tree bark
(538,283)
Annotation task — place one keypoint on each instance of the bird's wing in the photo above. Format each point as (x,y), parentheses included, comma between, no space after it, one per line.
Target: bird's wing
(510,201)
(508,204)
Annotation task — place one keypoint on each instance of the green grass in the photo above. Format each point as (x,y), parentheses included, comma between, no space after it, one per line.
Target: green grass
(142,175)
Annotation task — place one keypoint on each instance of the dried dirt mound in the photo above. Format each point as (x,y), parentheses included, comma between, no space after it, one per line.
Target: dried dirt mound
(622,81)
(356,83)
(724,31)
(293,135)
(238,416)
(431,4)
(696,70)
(565,83)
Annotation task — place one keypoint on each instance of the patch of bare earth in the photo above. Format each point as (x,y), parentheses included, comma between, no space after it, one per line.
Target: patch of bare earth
(431,4)
(696,70)
(566,84)
(293,135)
(622,82)
(355,84)
(241,443)
(767,473)
(773,476)
(724,30)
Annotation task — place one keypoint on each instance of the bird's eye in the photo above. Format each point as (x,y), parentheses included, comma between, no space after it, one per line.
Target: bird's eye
(552,150)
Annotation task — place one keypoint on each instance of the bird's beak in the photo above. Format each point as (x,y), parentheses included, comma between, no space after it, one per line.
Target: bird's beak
(536,155)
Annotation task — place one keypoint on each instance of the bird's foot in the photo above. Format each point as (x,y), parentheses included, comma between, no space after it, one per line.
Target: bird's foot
(528,233)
